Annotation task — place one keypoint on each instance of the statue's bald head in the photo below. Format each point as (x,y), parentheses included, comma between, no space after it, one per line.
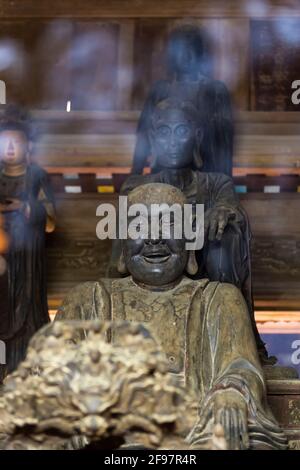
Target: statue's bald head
(153,253)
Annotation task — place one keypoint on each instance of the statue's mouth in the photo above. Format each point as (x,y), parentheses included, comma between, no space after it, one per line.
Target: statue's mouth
(156,257)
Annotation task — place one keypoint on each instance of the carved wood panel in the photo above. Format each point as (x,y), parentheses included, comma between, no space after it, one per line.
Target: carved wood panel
(275,47)
(284,400)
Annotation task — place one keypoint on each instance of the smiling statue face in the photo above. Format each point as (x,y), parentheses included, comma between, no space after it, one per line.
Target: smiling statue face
(155,261)
(173,139)
(13,147)
(160,259)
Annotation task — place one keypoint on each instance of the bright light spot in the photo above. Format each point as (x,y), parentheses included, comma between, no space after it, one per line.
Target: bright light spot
(10,54)
(2,92)
(68,106)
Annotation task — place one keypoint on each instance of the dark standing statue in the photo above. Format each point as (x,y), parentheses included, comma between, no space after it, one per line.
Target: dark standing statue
(175,134)
(26,204)
(187,58)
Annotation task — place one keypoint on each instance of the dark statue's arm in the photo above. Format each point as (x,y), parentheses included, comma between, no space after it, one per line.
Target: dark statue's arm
(217,144)
(222,194)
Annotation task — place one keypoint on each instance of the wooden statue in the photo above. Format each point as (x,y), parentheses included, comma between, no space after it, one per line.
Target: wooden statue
(26,205)
(203,327)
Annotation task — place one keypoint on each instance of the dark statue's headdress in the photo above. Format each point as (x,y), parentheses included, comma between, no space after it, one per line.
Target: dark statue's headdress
(16,118)
(191,112)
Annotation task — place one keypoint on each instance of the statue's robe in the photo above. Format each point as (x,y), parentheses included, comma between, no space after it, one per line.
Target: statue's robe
(204,329)
(228,260)
(213,102)
(23,287)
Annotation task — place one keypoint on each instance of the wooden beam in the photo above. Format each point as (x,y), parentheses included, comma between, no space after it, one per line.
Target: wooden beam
(267,143)
(145,8)
(116,150)
(277,304)
(241,117)
(283,387)
(244,171)
(263,316)
(109,171)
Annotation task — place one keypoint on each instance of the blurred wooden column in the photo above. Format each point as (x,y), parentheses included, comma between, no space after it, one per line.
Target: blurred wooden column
(231,45)
(125,65)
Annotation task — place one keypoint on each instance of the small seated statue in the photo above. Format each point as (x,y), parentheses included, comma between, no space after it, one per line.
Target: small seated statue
(27,211)
(203,328)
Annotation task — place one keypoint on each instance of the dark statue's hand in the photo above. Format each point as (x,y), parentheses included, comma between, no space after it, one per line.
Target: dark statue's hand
(215,222)
(229,409)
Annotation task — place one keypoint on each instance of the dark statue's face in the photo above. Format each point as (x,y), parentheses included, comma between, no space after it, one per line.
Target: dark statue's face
(155,262)
(186,58)
(13,147)
(173,139)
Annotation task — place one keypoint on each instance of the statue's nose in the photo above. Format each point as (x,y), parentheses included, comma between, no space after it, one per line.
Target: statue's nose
(154,241)
(10,147)
(173,140)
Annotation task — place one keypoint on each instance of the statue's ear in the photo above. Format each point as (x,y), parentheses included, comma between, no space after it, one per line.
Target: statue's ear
(199,135)
(192,265)
(198,162)
(151,138)
(29,151)
(121,267)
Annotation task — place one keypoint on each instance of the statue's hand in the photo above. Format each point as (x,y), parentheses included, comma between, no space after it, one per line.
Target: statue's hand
(216,220)
(230,410)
